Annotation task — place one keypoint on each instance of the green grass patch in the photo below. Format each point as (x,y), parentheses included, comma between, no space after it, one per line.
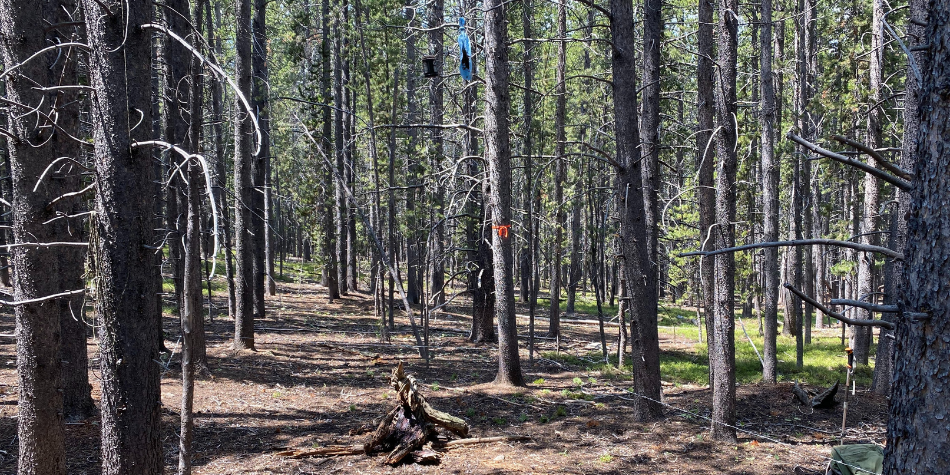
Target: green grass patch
(824,359)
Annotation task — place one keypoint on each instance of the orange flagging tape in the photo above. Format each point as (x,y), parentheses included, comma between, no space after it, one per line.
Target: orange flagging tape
(502,229)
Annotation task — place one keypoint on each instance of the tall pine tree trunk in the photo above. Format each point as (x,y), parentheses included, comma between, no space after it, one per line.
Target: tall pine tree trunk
(560,173)
(918,439)
(635,266)
(498,156)
(124,238)
(705,161)
(770,202)
(436,106)
(894,286)
(861,336)
(650,133)
(34,145)
(243,185)
(722,356)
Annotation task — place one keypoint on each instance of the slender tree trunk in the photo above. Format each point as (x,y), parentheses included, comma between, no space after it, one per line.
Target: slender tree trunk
(349,159)
(243,185)
(177,95)
(436,106)
(125,306)
(217,108)
(861,336)
(264,251)
(260,229)
(414,253)
(574,274)
(722,349)
(705,161)
(192,264)
(498,156)
(650,133)
(331,270)
(191,316)
(339,149)
(770,195)
(560,173)
(531,263)
(641,285)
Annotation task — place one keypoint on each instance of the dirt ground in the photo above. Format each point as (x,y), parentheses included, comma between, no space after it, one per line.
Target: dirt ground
(320,370)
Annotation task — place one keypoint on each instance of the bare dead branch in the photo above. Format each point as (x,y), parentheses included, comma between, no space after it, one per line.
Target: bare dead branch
(70,195)
(876,156)
(39,53)
(44,244)
(898,182)
(219,72)
(838,316)
(42,299)
(423,350)
(50,167)
(207,174)
(430,126)
(801,242)
(871,307)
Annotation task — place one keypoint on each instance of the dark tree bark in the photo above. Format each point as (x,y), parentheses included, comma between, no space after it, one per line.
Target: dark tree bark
(414,250)
(331,270)
(349,159)
(191,316)
(722,355)
(339,150)
(531,278)
(260,166)
(193,348)
(128,344)
(770,195)
(650,133)
(498,156)
(244,242)
(436,106)
(641,285)
(217,108)
(705,161)
(177,95)
(894,285)
(192,265)
(918,438)
(482,275)
(574,271)
(560,174)
(34,146)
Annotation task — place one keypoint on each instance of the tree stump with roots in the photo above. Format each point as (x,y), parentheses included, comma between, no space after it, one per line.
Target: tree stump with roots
(409,426)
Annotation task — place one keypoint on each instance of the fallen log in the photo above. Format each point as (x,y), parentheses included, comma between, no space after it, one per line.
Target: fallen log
(485,440)
(324,451)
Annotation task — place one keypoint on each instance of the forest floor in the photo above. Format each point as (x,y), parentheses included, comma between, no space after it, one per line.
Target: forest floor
(320,371)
